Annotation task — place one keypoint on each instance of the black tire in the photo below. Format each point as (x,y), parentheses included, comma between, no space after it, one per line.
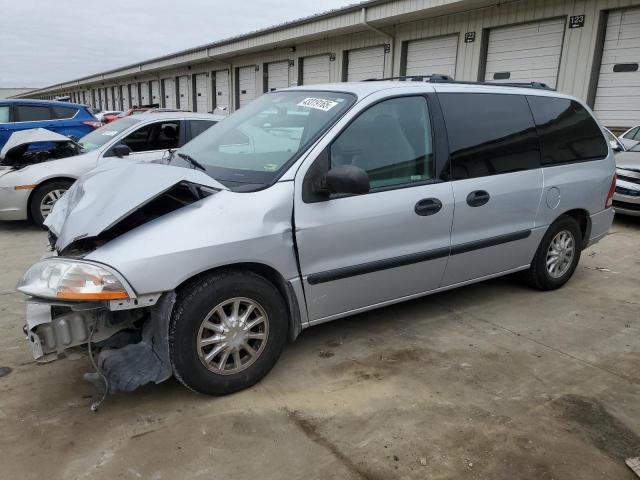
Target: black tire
(194,303)
(538,275)
(40,193)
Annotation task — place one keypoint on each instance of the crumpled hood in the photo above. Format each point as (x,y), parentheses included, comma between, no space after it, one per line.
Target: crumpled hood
(110,192)
(628,161)
(24,138)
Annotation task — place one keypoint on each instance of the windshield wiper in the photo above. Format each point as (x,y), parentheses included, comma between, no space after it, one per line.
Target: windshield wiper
(192,161)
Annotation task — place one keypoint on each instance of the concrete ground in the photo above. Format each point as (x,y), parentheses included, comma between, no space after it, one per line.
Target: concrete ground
(492,381)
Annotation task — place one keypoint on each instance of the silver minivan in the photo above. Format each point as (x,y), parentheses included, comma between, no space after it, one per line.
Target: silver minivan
(308,205)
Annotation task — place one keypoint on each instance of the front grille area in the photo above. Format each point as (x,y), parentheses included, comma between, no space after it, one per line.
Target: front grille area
(626,191)
(626,206)
(629,179)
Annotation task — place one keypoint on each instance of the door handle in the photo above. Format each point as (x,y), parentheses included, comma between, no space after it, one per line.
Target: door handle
(478,198)
(428,206)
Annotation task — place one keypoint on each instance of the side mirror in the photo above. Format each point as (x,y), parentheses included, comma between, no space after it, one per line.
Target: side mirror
(615,146)
(121,150)
(346,179)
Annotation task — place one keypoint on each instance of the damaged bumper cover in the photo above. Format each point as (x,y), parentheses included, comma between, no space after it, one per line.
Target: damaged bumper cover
(133,335)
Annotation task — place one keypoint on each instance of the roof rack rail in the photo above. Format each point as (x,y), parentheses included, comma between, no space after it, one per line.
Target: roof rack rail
(441,78)
(433,78)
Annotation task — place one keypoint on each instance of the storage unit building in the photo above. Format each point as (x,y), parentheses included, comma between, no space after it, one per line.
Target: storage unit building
(617,101)
(529,52)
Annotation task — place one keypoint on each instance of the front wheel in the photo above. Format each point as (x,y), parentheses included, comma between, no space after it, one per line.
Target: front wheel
(557,256)
(227,330)
(44,198)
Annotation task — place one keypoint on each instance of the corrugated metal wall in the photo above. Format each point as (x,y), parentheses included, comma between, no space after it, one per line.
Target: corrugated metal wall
(401,21)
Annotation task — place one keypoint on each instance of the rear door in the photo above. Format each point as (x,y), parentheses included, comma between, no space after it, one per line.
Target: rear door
(497,183)
(357,251)
(196,127)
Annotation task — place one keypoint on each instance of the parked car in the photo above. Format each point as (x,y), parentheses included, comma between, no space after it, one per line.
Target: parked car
(29,189)
(631,137)
(70,119)
(108,116)
(308,205)
(626,200)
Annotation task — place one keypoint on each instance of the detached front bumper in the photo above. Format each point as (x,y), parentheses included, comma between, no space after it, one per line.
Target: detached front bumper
(13,203)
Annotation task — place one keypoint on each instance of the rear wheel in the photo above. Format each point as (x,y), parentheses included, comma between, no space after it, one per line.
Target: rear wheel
(44,198)
(226,332)
(557,256)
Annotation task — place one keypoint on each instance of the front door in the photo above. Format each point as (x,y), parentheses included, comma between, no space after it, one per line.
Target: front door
(497,183)
(363,250)
(152,140)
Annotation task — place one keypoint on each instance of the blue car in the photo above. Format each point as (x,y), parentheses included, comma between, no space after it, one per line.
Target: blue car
(70,119)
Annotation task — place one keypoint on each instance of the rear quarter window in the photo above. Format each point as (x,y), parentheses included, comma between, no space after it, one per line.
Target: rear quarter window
(489,134)
(567,131)
(64,112)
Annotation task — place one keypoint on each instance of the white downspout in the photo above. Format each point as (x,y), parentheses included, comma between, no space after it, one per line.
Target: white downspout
(392,39)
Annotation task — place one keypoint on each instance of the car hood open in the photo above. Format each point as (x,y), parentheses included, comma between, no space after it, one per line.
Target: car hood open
(628,161)
(22,140)
(119,195)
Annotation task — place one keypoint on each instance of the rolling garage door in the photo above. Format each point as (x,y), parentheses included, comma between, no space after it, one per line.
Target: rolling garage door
(169,92)
(246,85)
(315,70)
(525,53)
(618,95)
(222,92)
(126,98)
(183,92)
(108,99)
(116,97)
(135,96)
(365,63)
(201,103)
(277,76)
(144,93)
(155,92)
(432,55)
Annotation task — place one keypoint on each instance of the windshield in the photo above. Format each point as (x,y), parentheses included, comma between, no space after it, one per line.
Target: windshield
(105,134)
(256,142)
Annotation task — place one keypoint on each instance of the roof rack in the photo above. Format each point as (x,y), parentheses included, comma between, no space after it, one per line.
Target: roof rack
(440,78)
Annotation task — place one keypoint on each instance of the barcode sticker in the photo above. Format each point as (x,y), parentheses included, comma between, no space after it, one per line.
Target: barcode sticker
(318,104)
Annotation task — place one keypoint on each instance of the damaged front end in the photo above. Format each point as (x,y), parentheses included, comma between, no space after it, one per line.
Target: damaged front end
(76,302)
(37,145)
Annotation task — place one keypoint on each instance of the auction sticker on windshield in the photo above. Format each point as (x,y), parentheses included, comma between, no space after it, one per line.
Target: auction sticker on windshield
(318,104)
(110,133)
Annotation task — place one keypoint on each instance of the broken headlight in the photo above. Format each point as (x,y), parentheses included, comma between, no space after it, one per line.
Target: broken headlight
(63,279)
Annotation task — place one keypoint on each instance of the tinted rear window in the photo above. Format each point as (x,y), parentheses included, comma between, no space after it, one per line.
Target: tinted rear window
(64,112)
(489,134)
(32,113)
(567,132)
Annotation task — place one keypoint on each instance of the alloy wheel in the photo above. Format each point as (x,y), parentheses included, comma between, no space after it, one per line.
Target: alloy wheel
(560,254)
(49,200)
(232,336)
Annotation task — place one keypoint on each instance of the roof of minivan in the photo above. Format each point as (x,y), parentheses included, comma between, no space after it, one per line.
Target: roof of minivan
(18,101)
(177,114)
(363,89)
